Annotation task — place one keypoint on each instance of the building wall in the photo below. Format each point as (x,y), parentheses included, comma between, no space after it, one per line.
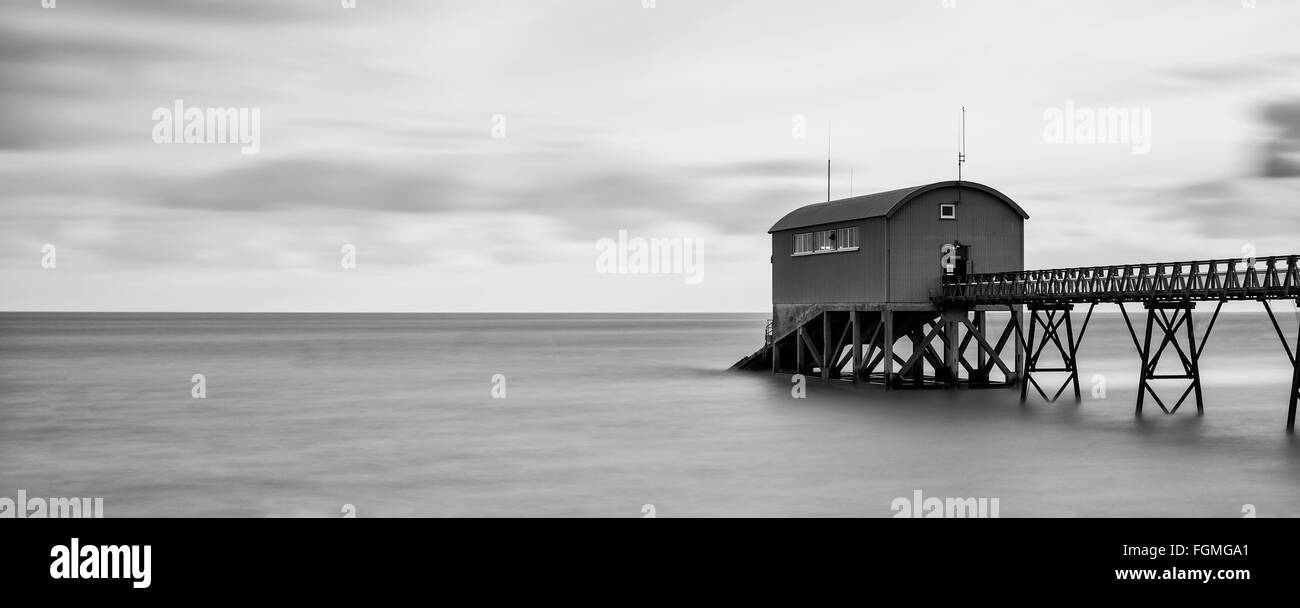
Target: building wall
(992,229)
(851,276)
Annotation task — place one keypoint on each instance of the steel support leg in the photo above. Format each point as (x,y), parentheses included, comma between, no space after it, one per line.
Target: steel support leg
(1021,345)
(1295,388)
(1294,357)
(1051,317)
(1158,316)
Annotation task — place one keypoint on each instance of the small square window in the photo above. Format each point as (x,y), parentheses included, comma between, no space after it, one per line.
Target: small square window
(948,211)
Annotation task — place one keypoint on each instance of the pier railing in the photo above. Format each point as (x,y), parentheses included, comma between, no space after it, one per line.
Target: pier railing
(1275,277)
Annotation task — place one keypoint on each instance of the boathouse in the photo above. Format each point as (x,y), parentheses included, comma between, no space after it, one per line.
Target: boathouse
(895,288)
(866,271)
(890,250)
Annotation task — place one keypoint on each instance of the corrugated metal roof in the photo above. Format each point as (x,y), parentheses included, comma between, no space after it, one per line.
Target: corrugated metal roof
(873,205)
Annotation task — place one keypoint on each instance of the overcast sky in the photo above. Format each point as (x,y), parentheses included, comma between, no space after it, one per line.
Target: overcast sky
(677,121)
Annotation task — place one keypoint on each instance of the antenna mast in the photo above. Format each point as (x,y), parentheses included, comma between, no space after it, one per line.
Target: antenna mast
(828,161)
(961,149)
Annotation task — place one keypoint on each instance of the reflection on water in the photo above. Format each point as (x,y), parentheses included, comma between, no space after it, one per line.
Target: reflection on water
(603,414)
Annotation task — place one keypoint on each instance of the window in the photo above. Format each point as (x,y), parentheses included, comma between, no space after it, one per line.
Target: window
(948,211)
(803,243)
(826,241)
(846,238)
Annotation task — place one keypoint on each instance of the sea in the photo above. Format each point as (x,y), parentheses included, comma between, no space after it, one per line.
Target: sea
(604,415)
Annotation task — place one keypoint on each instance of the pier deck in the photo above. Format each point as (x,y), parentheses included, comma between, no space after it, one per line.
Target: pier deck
(857,341)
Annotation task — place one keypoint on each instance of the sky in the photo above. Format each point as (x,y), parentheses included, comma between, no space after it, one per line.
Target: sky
(475,154)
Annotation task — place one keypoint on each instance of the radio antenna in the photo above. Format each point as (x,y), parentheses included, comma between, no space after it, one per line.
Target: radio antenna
(961,149)
(828,161)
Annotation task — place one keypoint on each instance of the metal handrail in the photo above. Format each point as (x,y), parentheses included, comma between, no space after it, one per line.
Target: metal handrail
(1273,277)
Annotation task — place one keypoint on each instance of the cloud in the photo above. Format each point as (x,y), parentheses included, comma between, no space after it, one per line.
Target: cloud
(225,12)
(1282,152)
(1242,71)
(671,123)
(582,199)
(760,170)
(295,213)
(1285,117)
(310,184)
(26,45)
(1245,210)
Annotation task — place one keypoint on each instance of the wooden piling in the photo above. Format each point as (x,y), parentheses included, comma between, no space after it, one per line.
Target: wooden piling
(798,350)
(887,317)
(826,346)
(855,318)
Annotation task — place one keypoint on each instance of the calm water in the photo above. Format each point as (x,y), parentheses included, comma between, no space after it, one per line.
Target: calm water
(603,413)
